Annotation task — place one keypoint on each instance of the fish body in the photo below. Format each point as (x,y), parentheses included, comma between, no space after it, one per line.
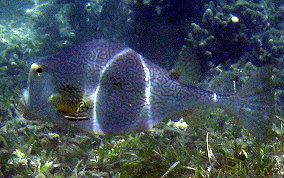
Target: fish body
(109,89)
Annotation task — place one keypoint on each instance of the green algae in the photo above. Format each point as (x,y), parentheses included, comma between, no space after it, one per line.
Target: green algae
(204,151)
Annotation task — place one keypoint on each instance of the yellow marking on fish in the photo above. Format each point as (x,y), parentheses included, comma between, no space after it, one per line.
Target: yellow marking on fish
(58,102)
(37,68)
(64,109)
(70,109)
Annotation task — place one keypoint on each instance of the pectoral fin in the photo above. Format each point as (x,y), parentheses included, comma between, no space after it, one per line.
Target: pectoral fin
(69,108)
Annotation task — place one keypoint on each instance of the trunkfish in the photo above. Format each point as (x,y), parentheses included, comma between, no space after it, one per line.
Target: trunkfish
(107,88)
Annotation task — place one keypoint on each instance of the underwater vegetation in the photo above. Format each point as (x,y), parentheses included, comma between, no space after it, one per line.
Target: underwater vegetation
(171,150)
(229,39)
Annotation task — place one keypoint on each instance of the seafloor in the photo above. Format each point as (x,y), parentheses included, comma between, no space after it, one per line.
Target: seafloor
(230,39)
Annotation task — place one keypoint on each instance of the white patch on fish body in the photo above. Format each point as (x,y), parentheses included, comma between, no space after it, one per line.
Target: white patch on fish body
(215,97)
(96,126)
(147,90)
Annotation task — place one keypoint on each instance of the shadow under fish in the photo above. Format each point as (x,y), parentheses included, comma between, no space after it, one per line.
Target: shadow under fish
(107,88)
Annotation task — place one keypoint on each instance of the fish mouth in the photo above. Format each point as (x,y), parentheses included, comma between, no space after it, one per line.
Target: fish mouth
(22,107)
(23,110)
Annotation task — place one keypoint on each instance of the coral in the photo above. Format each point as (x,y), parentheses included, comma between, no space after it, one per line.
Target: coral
(62,23)
(219,39)
(235,34)
(11,9)
(17,48)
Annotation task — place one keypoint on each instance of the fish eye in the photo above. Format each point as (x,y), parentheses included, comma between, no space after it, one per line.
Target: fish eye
(39,70)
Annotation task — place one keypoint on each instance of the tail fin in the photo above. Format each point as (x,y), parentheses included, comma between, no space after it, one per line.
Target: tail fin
(254,104)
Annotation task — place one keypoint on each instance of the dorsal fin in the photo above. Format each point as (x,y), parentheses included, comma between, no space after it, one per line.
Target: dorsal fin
(187,68)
